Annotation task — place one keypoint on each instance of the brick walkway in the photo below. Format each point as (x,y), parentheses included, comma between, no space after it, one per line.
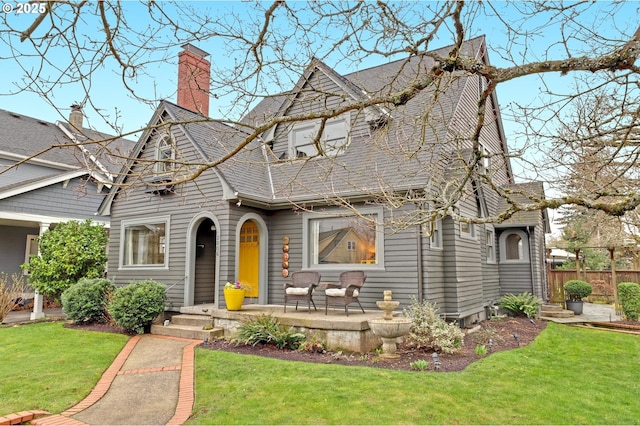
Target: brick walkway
(133,378)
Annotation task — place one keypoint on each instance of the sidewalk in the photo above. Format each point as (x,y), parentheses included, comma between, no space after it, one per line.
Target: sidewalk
(150,382)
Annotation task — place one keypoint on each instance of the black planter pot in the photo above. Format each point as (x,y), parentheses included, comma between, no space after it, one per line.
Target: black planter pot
(575,306)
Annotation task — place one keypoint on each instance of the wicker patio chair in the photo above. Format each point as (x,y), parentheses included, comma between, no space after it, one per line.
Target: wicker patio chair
(301,288)
(345,292)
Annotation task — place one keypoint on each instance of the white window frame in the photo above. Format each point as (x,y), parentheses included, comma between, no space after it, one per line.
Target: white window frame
(490,241)
(308,252)
(470,233)
(164,248)
(435,238)
(32,240)
(485,161)
(503,246)
(311,128)
(164,163)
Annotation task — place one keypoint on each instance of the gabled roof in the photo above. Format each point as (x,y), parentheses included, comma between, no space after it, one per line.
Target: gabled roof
(524,193)
(364,169)
(30,140)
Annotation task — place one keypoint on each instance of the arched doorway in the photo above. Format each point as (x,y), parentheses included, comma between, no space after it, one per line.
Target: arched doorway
(249,258)
(204,277)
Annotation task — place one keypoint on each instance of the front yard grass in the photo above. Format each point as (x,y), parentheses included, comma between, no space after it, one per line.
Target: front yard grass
(567,376)
(48,367)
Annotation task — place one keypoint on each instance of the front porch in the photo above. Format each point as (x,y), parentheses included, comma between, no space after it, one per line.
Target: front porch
(335,329)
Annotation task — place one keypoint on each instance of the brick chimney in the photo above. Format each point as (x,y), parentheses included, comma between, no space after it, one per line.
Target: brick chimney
(76,117)
(193,79)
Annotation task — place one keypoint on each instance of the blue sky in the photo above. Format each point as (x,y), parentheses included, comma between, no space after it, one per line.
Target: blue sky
(108,93)
(159,78)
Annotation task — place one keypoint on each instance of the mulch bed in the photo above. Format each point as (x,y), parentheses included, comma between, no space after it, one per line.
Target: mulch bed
(500,332)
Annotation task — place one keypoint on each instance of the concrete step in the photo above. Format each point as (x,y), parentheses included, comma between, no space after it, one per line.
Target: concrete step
(563,313)
(187,331)
(548,307)
(189,319)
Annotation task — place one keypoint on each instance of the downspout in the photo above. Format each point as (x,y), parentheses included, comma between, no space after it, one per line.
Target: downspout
(420,263)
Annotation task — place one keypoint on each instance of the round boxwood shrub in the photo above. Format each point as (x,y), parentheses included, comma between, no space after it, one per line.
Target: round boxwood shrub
(577,290)
(86,301)
(629,294)
(134,306)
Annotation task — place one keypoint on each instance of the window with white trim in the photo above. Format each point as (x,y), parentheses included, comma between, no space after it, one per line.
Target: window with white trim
(334,139)
(514,246)
(30,250)
(165,155)
(485,160)
(467,230)
(144,243)
(435,239)
(343,241)
(490,237)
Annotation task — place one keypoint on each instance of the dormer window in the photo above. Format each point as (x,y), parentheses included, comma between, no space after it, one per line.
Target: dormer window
(165,155)
(334,139)
(485,160)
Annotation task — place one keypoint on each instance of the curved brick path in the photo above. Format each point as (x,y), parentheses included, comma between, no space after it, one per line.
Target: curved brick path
(151,381)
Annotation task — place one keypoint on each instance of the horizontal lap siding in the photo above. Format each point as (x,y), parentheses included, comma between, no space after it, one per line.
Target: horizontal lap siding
(400,274)
(25,172)
(515,278)
(189,200)
(78,200)
(13,244)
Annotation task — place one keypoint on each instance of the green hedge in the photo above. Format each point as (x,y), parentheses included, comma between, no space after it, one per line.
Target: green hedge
(629,294)
(577,289)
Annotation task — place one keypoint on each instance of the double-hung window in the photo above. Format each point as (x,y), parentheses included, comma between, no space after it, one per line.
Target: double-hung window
(144,243)
(435,240)
(490,242)
(343,241)
(333,140)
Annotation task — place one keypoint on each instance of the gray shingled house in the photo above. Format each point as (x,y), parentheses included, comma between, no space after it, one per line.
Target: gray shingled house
(48,176)
(276,207)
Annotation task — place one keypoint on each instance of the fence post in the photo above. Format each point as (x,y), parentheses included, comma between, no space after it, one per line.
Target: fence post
(614,280)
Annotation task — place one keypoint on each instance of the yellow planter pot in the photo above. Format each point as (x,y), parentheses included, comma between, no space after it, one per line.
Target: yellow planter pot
(233,298)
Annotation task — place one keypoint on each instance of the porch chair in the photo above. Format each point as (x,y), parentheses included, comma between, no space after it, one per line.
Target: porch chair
(301,288)
(345,292)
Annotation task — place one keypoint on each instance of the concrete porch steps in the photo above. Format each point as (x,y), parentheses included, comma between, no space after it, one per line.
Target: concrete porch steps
(555,311)
(187,326)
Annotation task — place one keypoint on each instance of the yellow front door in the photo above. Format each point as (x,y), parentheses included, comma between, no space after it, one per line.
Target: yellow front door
(249,262)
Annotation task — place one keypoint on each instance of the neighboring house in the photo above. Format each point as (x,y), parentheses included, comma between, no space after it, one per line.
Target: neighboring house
(49,174)
(270,209)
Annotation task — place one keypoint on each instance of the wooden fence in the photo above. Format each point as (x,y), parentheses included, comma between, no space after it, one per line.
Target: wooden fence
(599,280)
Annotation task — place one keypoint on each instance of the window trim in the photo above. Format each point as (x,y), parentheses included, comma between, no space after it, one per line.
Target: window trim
(503,246)
(314,125)
(492,231)
(471,235)
(435,238)
(306,240)
(161,166)
(124,224)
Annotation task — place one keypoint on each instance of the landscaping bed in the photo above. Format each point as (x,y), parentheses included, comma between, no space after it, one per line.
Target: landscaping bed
(501,332)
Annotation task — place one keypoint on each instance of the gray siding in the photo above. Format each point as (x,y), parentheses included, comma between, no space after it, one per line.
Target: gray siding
(78,200)
(13,244)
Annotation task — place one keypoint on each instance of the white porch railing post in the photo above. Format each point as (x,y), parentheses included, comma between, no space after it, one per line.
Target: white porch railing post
(38,311)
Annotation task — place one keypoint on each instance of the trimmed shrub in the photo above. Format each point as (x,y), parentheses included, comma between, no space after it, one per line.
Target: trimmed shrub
(266,329)
(134,306)
(430,331)
(577,290)
(87,300)
(521,304)
(629,294)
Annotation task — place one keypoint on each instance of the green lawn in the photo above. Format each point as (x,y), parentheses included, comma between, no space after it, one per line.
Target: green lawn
(48,367)
(567,376)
